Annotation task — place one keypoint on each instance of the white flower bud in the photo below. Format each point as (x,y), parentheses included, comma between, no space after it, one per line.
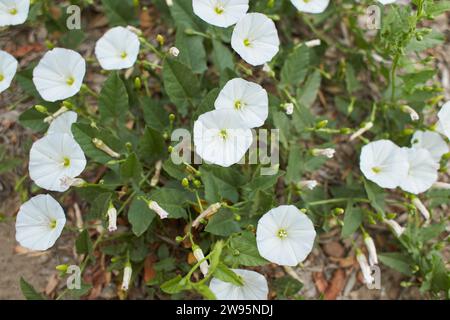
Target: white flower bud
(441,185)
(99,144)
(127,272)
(52,117)
(412,113)
(135,30)
(370,245)
(289,107)
(361,131)
(174,51)
(365,268)
(421,207)
(327,152)
(198,254)
(67,182)
(212,209)
(398,230)
(153,205)
(309,184)
(112,218)
(313,43)
(169,3)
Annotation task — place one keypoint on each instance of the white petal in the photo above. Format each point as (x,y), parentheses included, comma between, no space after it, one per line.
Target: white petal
(444,119)
(221,13)
(311,6)
(386,1)
(299,240)
(212,147)
(13,12)
(59,75)
(255,287)
(8,68)
(117,49)
(39,222)
(47,156)
(63,123)
(255,39)
(432,141)
(252,100)
(422,173)
(388,159)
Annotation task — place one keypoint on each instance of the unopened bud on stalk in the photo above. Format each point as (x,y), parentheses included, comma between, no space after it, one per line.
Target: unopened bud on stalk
(412,113)
(370,245)
(441,185)
(62,267)
(185,182)
(199,256)
(112,218)
(367,126)
(267,69)
(41,108)
(212,209)
(313,43)
(160,39)
(338,211)
(68,182)
(327,152)
(421,207)
(309,184)
(137,83)
(169,3)
(288,108)
(155,179)
(153,205)
(396,228)
(99,144)
(365,268)
(321,124)
(127,272)
(174,51)
(135,30)
(52,117)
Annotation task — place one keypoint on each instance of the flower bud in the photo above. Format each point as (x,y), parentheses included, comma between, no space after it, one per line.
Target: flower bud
(99,144)
(365,268)
(153,205)
(137,83)
(370,245)
(396,228)
(160,39)
(198,254)
(174,51)
(127,272)
(41,108)
(327,152)
(421,207)
(112,218)
(185,182)
(309,184)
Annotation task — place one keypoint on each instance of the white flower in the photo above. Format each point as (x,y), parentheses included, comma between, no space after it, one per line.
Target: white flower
(246,99)
(327,152)
(370,245)
(220,13)
(254,287)
(39,222)
(220,137)
(8,68)
(432,141)
(421,207)
(422,171)
(117,49)
(311,6)
(13,12)
(112,218)
(63,123)
(384,163)
(365,268)
(127,272)
(285,235)
(59,75)
(444,119)
(153,205)
(199,256)
(398,230)
(174,52)
(386,1)
(53,158)
(255,39)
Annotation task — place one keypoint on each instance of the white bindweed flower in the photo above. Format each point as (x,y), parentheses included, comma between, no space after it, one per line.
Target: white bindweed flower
(311,6)
(327,152)
(112,218)
(63,123)
(421,207)
(221,137)
(127,272)
(53,158)
(59,74)
(220,13)
(422,171)
(255,39)
(13,12)
(117,49)
(174,52)
(444,119)
(8,68)
(384,163)
(39,222)
(246,99)
(395,227)
(370,245)
(153,205)
(432,141)
(386,1)
(285,235)
(254,287)
(309,184)
(199,256)
(365,268)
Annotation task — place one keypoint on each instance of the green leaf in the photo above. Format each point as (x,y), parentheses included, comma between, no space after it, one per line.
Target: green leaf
(100,206)
(244,251)
(207,104)
(174,285)
(351,80)
(222,56)
(85,288)
(83,243)
(140,216)
(438,7)
(396,261)
(296,66)
(155,116)
(151,146)
(352,220)
(226,274)
(430,232)
(205,291)
(430,40)
(181,85)
(287,287)
(308,93)
(217,188)
(192,51)
(120,12)
(222,223)
(184,17)
(113,100)
(131,168)
(28,291)
(376,196)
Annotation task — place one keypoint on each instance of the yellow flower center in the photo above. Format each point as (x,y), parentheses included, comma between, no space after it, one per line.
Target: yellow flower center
(223,134)
(219,9)
(282,233)
(53,224)
(13,11)
(238,104)
(247,42)
(376,169)
(70,81)
(66,162)
(2,77)
(123,55)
